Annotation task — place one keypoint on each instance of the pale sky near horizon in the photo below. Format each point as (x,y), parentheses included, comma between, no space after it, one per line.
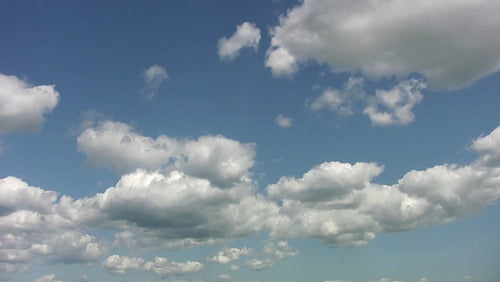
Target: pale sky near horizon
(314,140)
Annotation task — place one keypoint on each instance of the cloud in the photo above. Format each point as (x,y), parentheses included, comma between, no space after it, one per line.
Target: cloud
(23,107)
(326,181)
(279,250)
(221,160)
(340,204)
(440,40)
(489,147)
(247,35)
(120,264)
(154,76)
(225,277)
(228,255)
(234,267)
(394,107)
(163,206)
(340,101)
(386,107)
(271,254)
(259,264)
(162,266)
(47,278)
(283,122)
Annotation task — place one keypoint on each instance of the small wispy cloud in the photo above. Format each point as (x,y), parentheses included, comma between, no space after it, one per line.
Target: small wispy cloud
(283,121)
(154,76)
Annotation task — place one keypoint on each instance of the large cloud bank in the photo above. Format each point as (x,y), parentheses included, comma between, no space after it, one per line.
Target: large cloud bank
(183,192)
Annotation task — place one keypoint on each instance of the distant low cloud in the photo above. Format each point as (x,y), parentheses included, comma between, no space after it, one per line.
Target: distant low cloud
(247,35)
(154,76)
(48,278)
(228,255)
(441,40)
(162,266)
(283,121)
(23,107)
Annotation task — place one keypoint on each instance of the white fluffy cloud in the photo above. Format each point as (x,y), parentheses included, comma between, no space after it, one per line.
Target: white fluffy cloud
(154,76)
(326,181)
(283,121)
(340,101)
(247,35)
(442,40)
(221,160)
(394,107)
(23,107)
(341,205)
(228,255)
(162,266)
(489,148)
(337,202)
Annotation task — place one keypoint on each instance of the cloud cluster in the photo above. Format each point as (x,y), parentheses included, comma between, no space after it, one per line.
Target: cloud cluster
(23,107)
(386,107)
(340,204)
(161,266)
(228,255)
(247,35)
(34,230)
(336,202)
(442,40)
(394,107)
(154,76)
(271,254)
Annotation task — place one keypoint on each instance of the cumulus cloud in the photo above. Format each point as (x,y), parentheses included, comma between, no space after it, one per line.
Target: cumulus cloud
(228,255)
(163,205)
(340,101)
(394,107)
(154,76)
(120,264)
(283,122)
(221,160)
(162,266)
(271,254)
(47,278)
(33,229)
(323,205)
(23,107)
(247,35)
(489,148)
(339,203)
(259,264)
(384,108)
(439,39)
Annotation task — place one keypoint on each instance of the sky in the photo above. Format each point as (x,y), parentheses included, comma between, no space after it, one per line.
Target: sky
(313,140)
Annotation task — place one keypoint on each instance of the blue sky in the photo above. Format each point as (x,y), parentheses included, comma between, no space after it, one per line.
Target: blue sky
(249,141)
